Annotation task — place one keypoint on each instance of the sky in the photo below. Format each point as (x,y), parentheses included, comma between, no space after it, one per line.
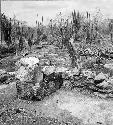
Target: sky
(27,10)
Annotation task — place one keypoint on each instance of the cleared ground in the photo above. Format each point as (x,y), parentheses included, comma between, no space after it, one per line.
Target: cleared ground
(63,107)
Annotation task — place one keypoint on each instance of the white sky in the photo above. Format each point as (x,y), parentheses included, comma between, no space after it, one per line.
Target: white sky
(27,10)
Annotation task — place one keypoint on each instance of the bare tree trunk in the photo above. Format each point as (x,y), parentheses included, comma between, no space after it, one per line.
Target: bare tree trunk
(71,52)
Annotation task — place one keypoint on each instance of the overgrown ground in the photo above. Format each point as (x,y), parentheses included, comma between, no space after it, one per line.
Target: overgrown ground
(64,107)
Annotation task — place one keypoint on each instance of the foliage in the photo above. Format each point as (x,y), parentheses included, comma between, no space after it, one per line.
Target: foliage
(65,32)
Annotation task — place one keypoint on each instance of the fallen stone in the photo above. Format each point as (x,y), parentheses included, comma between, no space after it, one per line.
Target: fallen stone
(48,69)
(107,83)
(30,61)
(109,66)
(104,84)
(101,76)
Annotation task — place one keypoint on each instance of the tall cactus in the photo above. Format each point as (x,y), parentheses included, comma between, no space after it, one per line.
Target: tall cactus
(42,19)
(111,30)
(76,24)
(6,29)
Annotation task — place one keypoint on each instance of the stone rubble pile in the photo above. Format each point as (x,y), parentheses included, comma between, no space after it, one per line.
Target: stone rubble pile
(34,79)
(100,83)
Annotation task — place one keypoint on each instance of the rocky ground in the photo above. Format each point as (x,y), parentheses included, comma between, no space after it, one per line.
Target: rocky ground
(90,102)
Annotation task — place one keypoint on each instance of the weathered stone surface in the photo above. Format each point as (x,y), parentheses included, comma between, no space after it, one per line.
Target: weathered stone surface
(29,75)
(37,75)
(37,81)
(104,84)
(48,69)
(61,69)
(24,90)
(109,66)
(101,76)
(25,67)
(22,74)
(107,84)
(50,84)
(29,61)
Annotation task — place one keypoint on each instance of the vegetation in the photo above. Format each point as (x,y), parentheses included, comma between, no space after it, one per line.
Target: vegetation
(82,29)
